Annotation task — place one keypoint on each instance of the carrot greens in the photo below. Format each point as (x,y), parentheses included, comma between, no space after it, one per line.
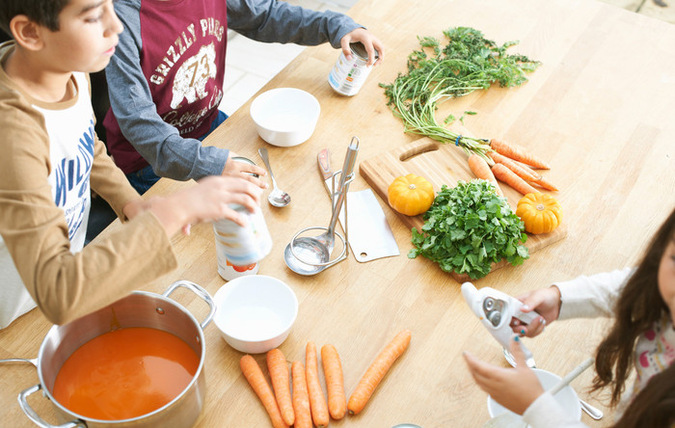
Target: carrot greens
(468,62)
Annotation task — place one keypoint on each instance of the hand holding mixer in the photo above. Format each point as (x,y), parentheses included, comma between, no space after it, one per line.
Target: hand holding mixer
(495,310)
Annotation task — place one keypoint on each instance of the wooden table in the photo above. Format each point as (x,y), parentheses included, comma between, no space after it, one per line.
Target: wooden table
(600,109)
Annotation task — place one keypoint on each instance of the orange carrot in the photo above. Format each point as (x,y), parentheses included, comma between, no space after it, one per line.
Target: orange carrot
(544,183)
(521,171)
(317,401)
(335,385)
(538,180)
(303,416)
(278,369)
(509,177)
(481,169)
(377,370)
(518,153)
(255,378)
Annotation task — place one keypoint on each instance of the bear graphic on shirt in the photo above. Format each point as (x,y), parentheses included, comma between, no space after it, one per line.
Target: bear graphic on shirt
(192,76)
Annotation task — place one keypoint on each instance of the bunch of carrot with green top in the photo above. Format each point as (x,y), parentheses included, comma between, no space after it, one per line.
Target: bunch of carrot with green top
(513,165)
(305,405)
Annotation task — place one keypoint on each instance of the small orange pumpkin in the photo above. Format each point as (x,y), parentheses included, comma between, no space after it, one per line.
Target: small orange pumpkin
(410,194)
(540,212)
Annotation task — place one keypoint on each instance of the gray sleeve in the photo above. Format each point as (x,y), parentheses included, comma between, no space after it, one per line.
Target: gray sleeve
(279,21)
(169,154)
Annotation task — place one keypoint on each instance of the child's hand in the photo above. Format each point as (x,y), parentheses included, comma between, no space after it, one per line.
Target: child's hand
(244,170)
(514,388)
(545,301)
(209,200)
(370,42)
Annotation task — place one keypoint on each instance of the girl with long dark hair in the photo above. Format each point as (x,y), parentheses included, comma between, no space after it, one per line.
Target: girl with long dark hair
(642,302)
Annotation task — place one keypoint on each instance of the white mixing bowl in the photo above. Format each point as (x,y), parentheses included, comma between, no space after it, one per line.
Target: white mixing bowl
(285,117)
(566,397)
(255,313)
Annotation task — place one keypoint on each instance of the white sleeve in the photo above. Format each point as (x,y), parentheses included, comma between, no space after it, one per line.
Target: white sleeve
(545,412)
(591,296)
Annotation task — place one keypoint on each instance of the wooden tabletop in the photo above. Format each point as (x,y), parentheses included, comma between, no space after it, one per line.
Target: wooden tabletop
(599,109)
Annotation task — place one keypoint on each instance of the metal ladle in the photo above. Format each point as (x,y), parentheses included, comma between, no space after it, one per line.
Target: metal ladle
(309,255)
(277,197)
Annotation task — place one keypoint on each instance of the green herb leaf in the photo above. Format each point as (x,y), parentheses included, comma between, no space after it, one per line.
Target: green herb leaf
(468,62)
(468,228)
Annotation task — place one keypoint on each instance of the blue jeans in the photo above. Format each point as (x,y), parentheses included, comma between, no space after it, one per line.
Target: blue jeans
(144,178)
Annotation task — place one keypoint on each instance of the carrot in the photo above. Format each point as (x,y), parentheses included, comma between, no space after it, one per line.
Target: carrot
(481,169)
(377,370)
(303,416)
(521,171)
(544,183)
(317,401)
(255,378)
(518,153)
(278,369)
(335,385)
(509,177)
(538,180)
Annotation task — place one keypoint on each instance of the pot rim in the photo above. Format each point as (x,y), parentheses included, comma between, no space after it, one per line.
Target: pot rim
(195,378)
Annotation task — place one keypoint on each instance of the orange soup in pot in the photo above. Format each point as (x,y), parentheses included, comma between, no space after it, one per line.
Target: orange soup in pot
(125,373)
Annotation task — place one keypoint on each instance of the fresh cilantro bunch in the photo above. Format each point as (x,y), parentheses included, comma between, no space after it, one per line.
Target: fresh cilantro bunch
(468,228)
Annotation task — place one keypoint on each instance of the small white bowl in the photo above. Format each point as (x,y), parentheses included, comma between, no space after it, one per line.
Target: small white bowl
(566,397)
(285,117)
(255,313)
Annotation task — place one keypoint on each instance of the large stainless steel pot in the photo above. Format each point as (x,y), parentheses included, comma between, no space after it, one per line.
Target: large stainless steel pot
(139,309)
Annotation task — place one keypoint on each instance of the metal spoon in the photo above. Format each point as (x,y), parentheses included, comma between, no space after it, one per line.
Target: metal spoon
(277,197)
(307,249)
(593,412)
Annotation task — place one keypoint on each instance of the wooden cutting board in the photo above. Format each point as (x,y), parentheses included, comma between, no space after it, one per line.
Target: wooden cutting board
(440,164)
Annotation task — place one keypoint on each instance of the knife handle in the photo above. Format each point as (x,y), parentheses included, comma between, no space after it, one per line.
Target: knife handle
(323,159)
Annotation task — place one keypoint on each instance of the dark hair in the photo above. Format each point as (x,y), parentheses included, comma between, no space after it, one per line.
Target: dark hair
(638,308)
(654,406)
(42,12)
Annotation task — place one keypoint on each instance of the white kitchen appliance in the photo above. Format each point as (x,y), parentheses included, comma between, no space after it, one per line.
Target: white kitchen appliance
(495,309)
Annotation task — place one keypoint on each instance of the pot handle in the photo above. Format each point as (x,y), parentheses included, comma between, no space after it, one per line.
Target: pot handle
(32,361)
(37,420)
(199,291)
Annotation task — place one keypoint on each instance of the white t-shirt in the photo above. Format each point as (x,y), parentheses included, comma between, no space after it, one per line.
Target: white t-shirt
(70,127)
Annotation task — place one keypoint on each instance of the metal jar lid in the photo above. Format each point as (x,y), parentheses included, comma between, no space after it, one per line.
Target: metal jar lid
(360,51)
(245,160)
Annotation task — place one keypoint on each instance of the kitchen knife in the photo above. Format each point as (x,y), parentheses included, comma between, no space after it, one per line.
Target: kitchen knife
(370,236)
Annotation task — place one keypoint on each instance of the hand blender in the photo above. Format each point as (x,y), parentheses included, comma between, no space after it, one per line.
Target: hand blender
(495,310)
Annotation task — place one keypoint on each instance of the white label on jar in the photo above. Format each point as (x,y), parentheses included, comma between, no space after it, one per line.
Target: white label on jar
(347,77)
(243,245)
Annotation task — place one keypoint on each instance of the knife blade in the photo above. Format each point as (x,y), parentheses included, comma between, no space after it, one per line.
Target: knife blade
(323,162)
(370,236)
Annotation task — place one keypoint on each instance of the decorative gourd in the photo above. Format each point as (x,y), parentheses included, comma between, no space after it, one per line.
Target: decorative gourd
(540,212)
(410,194)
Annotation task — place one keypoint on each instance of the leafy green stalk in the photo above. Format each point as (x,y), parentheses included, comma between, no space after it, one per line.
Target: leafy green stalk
(469,62)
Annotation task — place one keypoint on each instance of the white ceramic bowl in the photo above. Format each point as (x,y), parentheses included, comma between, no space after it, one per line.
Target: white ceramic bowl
(566,397)
(255,313)
(285,117)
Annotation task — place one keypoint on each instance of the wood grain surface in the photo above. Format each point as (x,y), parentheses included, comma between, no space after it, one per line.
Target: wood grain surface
(599,109)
